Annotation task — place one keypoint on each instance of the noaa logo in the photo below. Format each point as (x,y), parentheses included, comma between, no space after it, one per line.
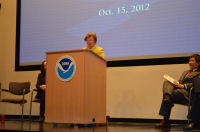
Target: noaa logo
(65,68)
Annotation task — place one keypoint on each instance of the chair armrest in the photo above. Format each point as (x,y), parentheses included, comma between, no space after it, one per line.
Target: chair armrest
(34,90)
(190,91)
(26,91)
(5,90)
(191,88)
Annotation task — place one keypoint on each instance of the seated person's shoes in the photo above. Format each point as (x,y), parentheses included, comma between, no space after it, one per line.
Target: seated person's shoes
(163,124)
(192,126)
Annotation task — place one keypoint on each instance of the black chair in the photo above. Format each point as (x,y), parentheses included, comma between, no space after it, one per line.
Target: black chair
(31,101)
(19,89)
(190,102)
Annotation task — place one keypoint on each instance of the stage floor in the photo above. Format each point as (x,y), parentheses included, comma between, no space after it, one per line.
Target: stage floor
(112,127)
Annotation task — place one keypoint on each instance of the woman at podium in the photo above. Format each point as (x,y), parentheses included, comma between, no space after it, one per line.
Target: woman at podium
(41,87)
(91,39)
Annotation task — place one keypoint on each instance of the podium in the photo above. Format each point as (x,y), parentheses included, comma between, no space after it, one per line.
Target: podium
(80,98)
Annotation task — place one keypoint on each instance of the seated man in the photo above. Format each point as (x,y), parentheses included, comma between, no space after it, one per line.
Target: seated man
(195,110)
(178,93)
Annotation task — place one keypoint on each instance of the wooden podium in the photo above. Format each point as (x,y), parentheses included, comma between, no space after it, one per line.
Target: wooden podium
(82,100)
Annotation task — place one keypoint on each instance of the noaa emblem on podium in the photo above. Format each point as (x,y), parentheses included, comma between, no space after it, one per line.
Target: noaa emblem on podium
(65,68)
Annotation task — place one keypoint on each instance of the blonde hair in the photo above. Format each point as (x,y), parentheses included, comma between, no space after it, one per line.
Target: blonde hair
(91,34)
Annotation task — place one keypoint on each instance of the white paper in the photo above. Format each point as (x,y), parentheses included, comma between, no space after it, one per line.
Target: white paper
(170,79)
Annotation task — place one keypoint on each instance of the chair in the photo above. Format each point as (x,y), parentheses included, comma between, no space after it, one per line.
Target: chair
(35,100)
(19,89)
(190,103)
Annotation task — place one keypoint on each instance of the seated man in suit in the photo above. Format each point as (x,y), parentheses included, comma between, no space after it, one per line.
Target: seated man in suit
(178,93)
(195,110)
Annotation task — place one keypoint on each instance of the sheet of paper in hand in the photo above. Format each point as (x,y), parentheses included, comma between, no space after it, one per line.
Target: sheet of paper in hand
(170,79)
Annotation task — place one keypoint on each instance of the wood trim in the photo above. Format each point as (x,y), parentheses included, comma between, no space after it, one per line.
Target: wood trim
(72,51)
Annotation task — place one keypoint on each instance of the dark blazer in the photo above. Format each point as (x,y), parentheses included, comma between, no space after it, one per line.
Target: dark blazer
(197,84)
(40,81)
(188,82)
(195,110)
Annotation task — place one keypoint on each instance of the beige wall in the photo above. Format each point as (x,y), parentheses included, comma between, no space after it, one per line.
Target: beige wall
(136,92)
(132,92)
(7,57)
